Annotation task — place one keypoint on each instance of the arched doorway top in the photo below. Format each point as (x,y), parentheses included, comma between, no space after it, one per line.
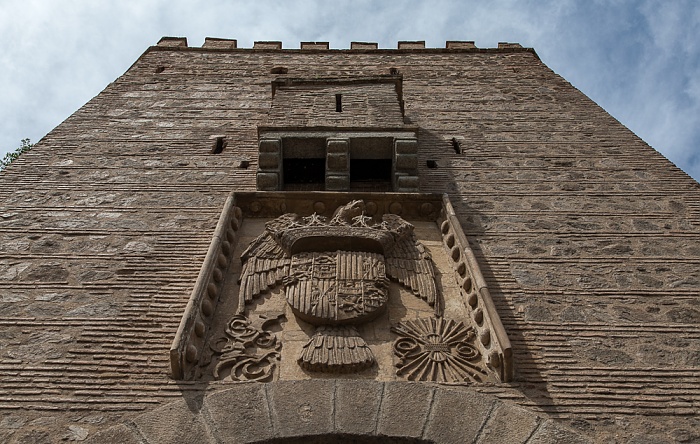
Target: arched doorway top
(351,411)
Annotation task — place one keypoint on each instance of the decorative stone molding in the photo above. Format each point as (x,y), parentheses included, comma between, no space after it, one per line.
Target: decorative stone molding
(189,342)
(493,341)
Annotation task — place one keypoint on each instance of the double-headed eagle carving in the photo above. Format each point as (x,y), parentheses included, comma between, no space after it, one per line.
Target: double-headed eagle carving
(336,275)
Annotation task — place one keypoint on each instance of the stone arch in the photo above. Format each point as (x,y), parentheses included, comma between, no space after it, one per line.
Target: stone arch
(345,411)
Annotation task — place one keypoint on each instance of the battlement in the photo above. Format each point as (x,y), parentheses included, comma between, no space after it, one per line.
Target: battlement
(417,45)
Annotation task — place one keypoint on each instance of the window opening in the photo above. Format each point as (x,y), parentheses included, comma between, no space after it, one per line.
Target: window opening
(339,103)
(305,171)
(370,170)
(431,164)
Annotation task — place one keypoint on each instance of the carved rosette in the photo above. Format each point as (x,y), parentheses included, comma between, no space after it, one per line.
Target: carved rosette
(437,350)
(247,351)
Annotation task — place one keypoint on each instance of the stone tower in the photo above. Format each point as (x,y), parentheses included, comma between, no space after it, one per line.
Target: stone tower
(363,245)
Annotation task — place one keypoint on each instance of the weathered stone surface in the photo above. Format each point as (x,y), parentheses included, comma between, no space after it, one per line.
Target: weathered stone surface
(174,422)
(301,408)
(404,409)
(357,406)
(120,433)
(344,411)
(508,423)
(240,414)
(551,433)
(457,416)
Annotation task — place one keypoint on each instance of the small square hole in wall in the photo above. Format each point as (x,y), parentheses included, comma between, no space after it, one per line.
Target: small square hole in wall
(219,143)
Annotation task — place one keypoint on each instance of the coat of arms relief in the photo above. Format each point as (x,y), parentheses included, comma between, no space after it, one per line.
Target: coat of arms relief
(334,274)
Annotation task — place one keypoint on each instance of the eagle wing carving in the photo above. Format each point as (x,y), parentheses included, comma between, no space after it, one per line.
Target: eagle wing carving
(265,264)
(410,264)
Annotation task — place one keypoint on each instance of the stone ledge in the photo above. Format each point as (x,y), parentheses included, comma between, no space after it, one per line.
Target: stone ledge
(363,410)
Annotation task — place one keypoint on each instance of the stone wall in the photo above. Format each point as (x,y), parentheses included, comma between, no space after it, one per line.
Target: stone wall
(588,238)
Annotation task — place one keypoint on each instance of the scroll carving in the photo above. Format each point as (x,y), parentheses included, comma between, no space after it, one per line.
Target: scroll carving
(336,274)
(247,351)
(437,350)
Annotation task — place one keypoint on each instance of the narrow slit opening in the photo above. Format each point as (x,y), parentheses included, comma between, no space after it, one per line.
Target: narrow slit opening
(219,145)
(339,103)
(456,146)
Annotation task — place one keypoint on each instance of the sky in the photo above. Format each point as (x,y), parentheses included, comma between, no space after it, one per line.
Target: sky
(638,59)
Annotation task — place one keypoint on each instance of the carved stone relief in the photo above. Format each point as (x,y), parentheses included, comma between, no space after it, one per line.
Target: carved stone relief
(335,274)
(438,350)
(247,351)
(351,283)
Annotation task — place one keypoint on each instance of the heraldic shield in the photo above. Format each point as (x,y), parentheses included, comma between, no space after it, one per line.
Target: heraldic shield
(336,276)
(337,287)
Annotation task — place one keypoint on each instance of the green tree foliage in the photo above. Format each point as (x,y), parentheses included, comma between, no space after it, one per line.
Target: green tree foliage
(12,156)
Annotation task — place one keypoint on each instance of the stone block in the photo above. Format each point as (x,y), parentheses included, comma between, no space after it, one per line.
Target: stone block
(270,146)
(269,161)
(268,181)
(240,414)
(404,409)
(406,146)
(407,183)
(211,42)
(363,45)
(412,44)
(337,145)
(267,45)
(314,45)
(453,44)
(174,422)
(509,423)
(457,416)
(356,406)
(173,42)
(120,433)
(302,408)
(337,182)
(406,162)
(550,432)
(337,162)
